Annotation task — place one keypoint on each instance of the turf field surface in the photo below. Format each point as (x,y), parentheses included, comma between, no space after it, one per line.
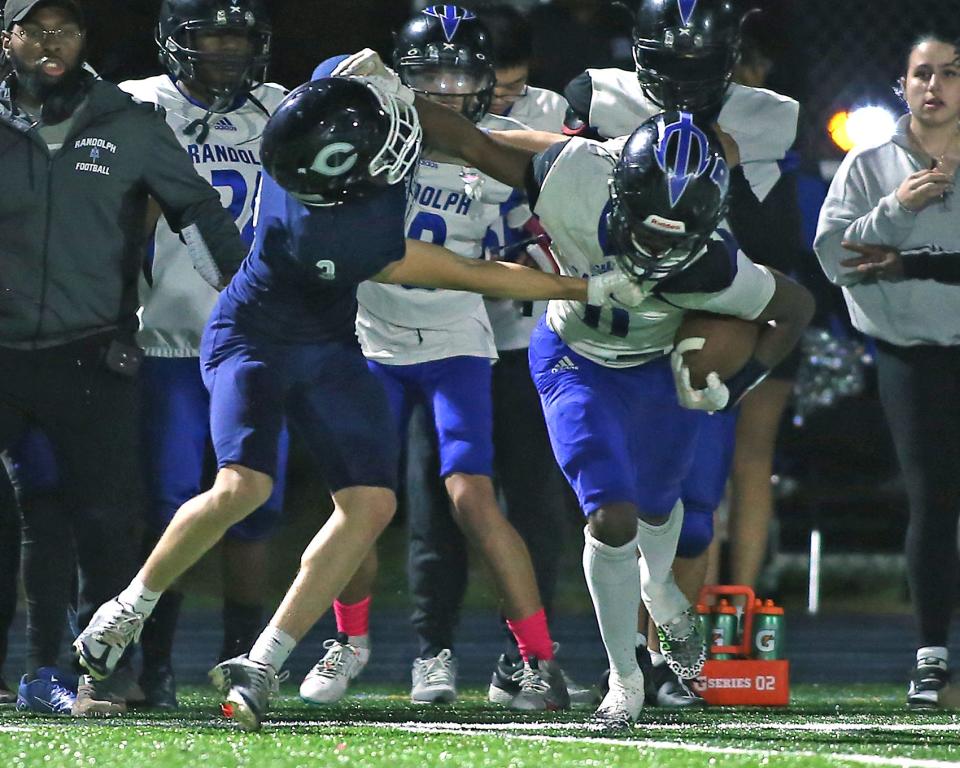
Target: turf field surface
(825,726)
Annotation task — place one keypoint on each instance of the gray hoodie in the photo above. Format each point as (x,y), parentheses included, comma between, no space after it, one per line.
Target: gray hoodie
(72,222)
(862,206)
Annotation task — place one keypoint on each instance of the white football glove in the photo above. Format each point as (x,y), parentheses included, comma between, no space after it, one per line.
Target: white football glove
(714,397)
(615,289)
(368,66)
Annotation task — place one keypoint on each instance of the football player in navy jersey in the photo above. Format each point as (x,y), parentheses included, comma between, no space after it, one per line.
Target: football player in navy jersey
(281,343)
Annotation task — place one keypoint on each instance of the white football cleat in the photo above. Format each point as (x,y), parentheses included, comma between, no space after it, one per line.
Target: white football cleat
(623,702)
(330,677)
(434,679)
(112,629)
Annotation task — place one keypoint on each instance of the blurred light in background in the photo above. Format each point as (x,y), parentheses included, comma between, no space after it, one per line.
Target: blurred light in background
(862,127)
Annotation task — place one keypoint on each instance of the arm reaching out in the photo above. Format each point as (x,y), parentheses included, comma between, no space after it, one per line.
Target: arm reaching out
(430,266)
(451,133)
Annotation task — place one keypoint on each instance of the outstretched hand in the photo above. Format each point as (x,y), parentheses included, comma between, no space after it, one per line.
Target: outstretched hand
(877,261)
(368,66)
(615,289)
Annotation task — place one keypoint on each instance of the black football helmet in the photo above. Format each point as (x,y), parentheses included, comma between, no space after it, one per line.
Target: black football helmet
(337,139)
(444,53)
(180,23)
(668,193)
(685,51)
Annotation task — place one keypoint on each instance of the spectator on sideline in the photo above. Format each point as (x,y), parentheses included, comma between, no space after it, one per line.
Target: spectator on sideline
(899,195)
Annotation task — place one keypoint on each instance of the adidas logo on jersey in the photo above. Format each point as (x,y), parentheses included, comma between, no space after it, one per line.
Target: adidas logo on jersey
(224,124)
(565,364)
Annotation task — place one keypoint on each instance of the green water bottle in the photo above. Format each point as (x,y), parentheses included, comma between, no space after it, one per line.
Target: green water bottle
(724,627)
(768,636)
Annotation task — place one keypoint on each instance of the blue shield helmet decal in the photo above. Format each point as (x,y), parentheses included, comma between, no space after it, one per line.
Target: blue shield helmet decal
(687,7)
(450,17)
(688,139)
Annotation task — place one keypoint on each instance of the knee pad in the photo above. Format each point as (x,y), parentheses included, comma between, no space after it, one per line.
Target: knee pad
(697,531)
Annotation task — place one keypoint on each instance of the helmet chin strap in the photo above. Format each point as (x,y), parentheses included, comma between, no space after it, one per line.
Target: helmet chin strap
(222,103)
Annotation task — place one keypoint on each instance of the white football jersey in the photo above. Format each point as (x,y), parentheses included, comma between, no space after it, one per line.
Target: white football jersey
(539,110)
(572,205)
(762,122)
(453,206)
(176,301)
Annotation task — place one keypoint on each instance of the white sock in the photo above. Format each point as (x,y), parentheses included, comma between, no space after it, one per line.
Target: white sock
(657,658)
(641,641)
(139,598)
(612,579)
(658,544)
(359,641)
(936,651)
(273,647)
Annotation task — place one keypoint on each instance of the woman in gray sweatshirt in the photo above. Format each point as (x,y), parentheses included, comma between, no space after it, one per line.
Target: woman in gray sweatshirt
(894,204)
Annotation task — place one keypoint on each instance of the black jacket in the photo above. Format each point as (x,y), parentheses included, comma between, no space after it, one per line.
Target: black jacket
(72,223)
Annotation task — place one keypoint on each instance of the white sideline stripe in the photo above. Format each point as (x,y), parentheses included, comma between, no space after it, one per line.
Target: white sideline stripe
(14,729)
(726,726)
(480,729)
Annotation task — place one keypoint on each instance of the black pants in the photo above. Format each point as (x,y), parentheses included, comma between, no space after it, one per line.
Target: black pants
(9,561)
(90,415)
(533,495)
(920,392)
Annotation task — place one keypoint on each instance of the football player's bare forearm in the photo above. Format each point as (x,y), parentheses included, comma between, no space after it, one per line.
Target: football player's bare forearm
(505,280)
(452,134)
(791,310)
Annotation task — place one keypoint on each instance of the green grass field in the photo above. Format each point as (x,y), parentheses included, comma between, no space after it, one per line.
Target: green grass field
(825,726)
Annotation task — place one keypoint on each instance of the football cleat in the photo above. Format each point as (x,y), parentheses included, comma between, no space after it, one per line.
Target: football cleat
(622,704)
(94,699)
(327,682)
(112,629)
(683,643)
(49,693)
(246,687)
(665,689)
(532,686)
(434,679)
(927,682)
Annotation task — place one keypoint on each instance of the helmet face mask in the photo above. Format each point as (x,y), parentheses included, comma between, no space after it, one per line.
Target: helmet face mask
(443,53)
(465,90)
(221,48)
(685,51)
(335,140)
(668,193)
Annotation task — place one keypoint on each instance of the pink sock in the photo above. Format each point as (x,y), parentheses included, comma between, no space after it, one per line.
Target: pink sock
(354,619)
(533,636)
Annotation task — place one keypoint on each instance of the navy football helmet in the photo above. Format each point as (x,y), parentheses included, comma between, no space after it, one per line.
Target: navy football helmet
(685,51)
(339,139)
(225,75)
(444,53)
(668,193)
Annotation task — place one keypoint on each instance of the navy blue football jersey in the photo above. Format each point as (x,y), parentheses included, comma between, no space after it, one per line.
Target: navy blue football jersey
(299,282)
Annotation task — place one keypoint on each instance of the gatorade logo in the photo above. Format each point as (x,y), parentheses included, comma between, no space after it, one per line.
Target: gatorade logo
(326,161)
(765,640)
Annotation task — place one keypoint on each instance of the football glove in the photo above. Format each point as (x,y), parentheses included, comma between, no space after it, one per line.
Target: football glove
(615,289)
(368,66)
(714,397)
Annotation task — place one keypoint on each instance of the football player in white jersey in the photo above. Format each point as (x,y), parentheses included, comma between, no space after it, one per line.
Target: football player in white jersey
(436,347)
(525,472)
(215,53)
(685,52)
